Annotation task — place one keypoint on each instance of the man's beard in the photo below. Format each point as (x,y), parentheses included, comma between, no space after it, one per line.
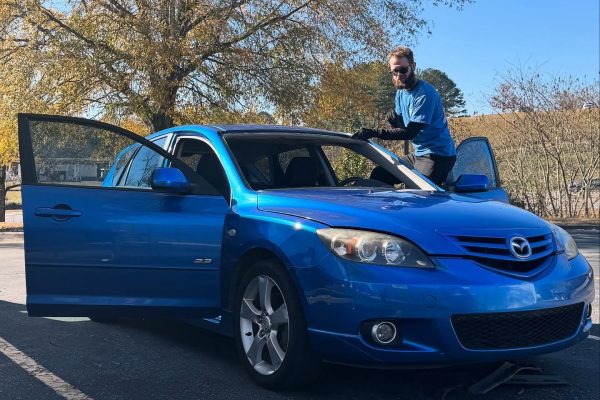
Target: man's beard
(408,83)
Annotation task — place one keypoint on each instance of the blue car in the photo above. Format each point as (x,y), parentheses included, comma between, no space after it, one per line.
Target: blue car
(278,237)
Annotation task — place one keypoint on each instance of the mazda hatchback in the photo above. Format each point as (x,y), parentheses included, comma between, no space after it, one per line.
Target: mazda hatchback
(303,245)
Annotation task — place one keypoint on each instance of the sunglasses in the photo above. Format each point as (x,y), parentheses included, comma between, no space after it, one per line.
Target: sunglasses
(399,71)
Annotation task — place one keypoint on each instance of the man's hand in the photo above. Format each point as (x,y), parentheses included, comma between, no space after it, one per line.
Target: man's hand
(364,133)
(394,119)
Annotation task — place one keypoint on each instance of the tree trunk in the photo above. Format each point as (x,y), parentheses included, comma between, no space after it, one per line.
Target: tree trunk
(161,115)
(161,121)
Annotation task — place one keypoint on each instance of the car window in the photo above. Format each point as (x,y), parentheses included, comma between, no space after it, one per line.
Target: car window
(351,166)
(474,157)
(122,162)
(144,163)
(276,162)
(259,173)
(284,158)
(200,157)
(73,154)
(347,163)
(267,165)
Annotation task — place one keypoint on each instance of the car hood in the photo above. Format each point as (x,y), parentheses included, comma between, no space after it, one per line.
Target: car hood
(430,219)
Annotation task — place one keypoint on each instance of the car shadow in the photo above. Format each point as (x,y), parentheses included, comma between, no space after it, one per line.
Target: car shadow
(156,359)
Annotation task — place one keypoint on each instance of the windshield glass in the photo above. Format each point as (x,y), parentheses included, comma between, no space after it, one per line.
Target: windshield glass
(292,160)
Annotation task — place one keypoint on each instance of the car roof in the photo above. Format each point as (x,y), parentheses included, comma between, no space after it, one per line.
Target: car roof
(256,128)
(237,128)
(243,129)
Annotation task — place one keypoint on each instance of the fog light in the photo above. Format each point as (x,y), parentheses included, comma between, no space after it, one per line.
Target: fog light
(383,332)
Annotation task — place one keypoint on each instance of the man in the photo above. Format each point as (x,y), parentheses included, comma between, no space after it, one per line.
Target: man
(418,117)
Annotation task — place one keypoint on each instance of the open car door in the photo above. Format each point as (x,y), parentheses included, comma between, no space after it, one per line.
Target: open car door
(474,161)
(103,249)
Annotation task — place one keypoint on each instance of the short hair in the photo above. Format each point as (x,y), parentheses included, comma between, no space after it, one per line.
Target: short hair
(402,52)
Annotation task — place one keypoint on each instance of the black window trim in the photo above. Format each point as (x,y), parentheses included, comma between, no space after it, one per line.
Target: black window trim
(29,174)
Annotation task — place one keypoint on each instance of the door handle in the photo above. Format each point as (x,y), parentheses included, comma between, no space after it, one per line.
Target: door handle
(57,212)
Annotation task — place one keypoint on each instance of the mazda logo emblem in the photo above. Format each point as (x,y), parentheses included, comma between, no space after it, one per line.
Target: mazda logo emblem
(519,247)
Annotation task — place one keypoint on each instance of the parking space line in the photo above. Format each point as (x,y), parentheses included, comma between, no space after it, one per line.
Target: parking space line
(593,337)
(34,369)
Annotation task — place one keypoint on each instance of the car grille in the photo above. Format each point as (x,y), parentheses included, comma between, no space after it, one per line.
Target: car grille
(512,330)
(493,252)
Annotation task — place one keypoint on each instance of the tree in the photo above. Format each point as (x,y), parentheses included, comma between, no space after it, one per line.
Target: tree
(347,98)
(452,97)
(153,58)
(8,153)
(547,147)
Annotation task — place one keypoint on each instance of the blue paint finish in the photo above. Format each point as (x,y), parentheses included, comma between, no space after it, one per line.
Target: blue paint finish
(472,183)
(498,194)
(169,180)
(127,248)
(118,252)
(456,287)
(420,216)
(291,240)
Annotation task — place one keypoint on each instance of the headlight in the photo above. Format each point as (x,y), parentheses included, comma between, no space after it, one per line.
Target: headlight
(373,248)
(564,242)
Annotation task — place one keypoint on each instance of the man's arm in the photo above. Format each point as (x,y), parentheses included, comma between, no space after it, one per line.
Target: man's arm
(407,133)
(395,120)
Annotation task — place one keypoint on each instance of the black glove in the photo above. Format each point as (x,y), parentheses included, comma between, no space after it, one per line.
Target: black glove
(364,133)
(394,119)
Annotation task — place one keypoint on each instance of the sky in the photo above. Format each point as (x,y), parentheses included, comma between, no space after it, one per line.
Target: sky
(478,44)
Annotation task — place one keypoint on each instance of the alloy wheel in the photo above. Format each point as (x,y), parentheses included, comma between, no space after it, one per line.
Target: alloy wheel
(264,324)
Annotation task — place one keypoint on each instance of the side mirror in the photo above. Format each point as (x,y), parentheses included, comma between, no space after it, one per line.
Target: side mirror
(469,183)
(169,180)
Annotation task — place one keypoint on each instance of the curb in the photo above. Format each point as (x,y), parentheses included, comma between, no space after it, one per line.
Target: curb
(15,235)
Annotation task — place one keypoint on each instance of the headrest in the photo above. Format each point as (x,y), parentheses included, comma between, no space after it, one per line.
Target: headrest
(302,171)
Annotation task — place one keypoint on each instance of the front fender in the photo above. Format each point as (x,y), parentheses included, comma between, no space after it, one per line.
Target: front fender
(291,240)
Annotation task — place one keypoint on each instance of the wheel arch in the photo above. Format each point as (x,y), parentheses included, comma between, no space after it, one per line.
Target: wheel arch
(247,259)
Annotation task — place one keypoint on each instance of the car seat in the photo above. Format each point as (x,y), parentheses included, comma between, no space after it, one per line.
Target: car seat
(209,167)
(301,171)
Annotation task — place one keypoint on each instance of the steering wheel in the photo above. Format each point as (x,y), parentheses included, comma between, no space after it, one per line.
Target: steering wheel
(351,179)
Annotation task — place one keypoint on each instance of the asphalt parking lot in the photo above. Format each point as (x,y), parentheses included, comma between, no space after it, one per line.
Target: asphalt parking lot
(74,358)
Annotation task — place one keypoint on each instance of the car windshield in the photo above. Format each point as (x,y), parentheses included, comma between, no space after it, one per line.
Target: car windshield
(293,160)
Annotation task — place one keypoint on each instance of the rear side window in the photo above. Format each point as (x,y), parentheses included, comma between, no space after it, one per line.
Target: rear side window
(286,157)
(122,163)
(144,163)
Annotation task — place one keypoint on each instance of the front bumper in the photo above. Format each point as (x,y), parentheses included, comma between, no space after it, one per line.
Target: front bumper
(342,296)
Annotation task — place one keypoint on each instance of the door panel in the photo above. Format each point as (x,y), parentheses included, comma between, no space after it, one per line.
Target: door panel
(475,156)
(105,250)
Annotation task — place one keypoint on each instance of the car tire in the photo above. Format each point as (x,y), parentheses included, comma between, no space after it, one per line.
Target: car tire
(270,330)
